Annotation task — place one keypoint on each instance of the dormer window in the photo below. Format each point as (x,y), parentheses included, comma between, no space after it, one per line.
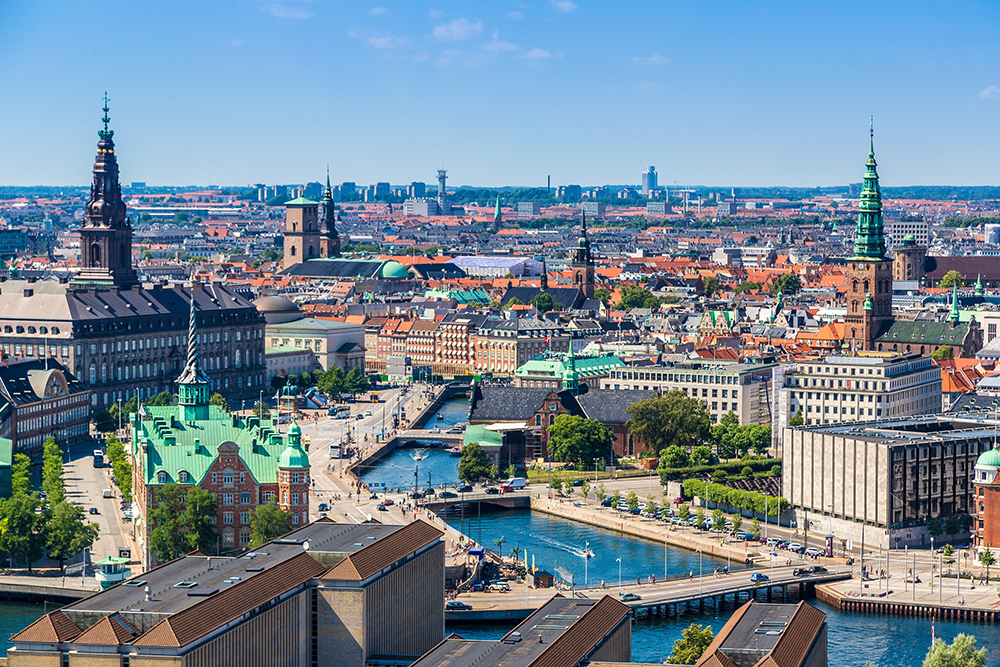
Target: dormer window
(161,477)
(183,477)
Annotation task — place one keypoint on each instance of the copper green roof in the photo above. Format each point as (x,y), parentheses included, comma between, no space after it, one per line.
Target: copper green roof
(301,201)
(555,366)
(991,457)
(869,237)
(175,446)
(477,433)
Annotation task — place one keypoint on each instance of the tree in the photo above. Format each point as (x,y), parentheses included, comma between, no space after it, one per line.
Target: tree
(574,438)
(961,653)
(787,283)
(687,650)
(632,500)
(747,471)
(20,475)
(103,421)
(22,529)
(514,301)
(747,286)
(684,512)
(701,455)
(675,456)
(355,382)
(737,523)
(797,419)
(52,471)
(948,556)
(712,284)
(268,522)
(331,382)
(603,294)
(219,400)
(200,516)
(718,519)
(499,542)
(699,514)
(168,538)
(952,279)
(260,409)
(510,471)
(602,492)
(515,552)
(671,419)
(474,464)
(943,352)
(66,532)
(543,303)
(633,296)
(557,486)
(986,558)
(755,528)
(585,490)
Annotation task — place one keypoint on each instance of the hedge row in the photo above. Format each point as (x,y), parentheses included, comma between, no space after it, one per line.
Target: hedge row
(750,501)
(730,469)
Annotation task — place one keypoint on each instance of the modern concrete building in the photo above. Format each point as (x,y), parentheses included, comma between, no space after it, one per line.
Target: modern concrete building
(528,208)
(899,229)
(422,207)
(325,594)
(723,387)
(648,181)
(594,209)
(879,483)
(870,386)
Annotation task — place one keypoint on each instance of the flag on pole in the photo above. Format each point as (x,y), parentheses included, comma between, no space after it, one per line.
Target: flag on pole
(547,339)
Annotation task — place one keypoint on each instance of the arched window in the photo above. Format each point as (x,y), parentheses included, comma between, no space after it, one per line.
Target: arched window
(105,398)
(182,477)
(93,373)
(237,359)
(161,477)
(311,252)
(104,373)
(95,255)
(867,286)
(293,251)
(119,373)
(854,285)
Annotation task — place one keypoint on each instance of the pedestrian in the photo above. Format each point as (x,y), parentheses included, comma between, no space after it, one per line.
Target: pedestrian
(638,582)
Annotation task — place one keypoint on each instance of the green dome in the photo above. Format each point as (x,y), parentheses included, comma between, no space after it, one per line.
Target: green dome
(293,457)
(991,457)
(294,429)
(393,269)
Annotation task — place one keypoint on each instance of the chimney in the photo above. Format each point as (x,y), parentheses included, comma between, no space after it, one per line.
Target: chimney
(29,292)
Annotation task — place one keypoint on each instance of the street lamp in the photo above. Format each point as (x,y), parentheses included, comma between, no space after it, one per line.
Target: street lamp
(701,586)
(619,577)
(664,558)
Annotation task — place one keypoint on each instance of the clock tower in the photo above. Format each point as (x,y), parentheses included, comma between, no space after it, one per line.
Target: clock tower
(869,273)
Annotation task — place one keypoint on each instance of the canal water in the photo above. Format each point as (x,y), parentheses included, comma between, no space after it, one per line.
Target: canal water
(15,616)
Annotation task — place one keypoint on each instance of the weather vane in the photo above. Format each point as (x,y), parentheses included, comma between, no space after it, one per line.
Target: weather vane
(106,133)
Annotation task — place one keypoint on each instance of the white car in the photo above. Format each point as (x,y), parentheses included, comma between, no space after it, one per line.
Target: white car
(793,546)
(813,551)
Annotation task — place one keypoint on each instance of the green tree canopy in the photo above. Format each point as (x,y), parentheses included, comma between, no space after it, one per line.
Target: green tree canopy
(633,296)
(943,352)
(788,283)
(675,456)
(747,286)
(712,285)
(514,301)
(52,471)
(702,456)
(578,439)
(694,640)
(268,522)
(67,534)
(331,382)
(960,653)
(671,419)
(797,419)
(261,410)
(952,279)
(219,400)
(544,303)
(355,382)
(603,294)
(182,521)
(474,464)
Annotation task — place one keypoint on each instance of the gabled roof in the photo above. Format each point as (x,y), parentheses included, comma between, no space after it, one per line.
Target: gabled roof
(609,406)
(213,612)
(505,404)
(382,553)
(925,333)
(52,628)
(109,631)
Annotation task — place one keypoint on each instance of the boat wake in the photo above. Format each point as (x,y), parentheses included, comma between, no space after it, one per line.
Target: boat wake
(568,548)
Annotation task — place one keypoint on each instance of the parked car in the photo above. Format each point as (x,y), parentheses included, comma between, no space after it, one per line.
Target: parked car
(813,551)
(816,569)
(388,501)
(93,510)
(455,605)
(607,502)
(322,507)
(759,577)
(447,494)
(498,587)
(577,482)
(416,494)
(629,597)
(793,546)
(382,508)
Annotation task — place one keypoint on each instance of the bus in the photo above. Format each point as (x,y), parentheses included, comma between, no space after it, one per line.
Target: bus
(374,397)
(336,451)
(98,458)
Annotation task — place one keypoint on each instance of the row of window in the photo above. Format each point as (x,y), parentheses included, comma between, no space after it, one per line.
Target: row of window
(31,330)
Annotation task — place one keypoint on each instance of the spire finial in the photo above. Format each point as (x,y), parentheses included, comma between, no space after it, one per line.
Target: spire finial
(106,133)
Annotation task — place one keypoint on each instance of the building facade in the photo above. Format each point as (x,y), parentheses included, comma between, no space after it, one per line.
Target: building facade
(43,400)
(504,345)
(722,387)
(908,260)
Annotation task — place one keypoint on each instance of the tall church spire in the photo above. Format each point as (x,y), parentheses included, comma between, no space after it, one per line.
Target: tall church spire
(192,385)
(106,234)
(869,238)
(330,241)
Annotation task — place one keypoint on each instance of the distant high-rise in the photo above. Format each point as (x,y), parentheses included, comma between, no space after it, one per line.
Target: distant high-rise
(648,181)
(416,189)
(442,194)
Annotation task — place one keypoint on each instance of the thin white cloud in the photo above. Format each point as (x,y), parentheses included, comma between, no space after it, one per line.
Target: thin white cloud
(541,54)
(655,59)
(379,40)
(378,11)
(434,13)
(497,45)
(515,15)
(283,11)
(989,93)
(564,6)
(457,30)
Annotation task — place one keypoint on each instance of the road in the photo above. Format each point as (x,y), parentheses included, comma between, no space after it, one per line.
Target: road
(85,485)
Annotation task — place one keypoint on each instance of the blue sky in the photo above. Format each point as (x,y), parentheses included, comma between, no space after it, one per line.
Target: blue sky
(502,93)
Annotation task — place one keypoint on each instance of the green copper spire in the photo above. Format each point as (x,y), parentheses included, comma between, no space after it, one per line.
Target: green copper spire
(571,380)
(953,316)
(106,133)
(979,285)
(192,385)
(868,301)
(869,239)
(496,213)
(778,304)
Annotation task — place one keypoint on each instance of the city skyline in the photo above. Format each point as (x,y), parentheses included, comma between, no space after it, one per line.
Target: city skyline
(503,94)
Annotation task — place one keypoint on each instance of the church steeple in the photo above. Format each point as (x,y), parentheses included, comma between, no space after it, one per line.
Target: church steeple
(979,285)
(953,317)
(545,275)
(192,385)
(106,234)
(583,262)
(869,237)
(571,380)
(330,242)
